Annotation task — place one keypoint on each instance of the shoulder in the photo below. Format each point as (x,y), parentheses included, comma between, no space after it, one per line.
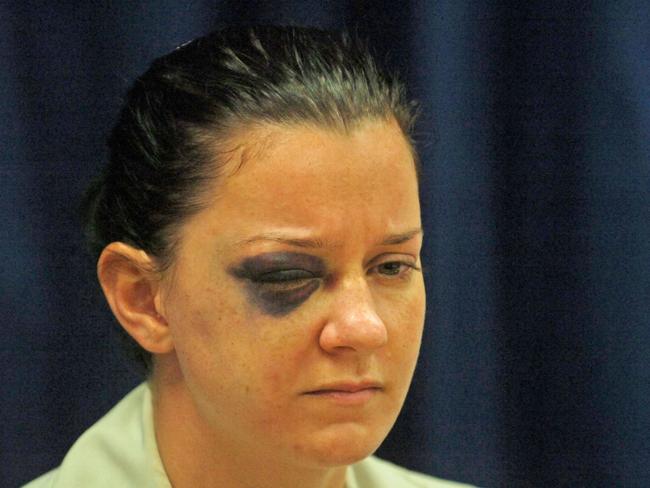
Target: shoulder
(118,450)
(44,481)
(377,473)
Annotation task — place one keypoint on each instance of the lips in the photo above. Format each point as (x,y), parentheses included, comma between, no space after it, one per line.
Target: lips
(347,393)
(349,386)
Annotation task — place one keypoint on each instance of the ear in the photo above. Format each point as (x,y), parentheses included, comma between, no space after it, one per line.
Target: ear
(132,290)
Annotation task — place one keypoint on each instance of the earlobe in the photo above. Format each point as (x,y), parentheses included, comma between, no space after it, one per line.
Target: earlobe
(132,289)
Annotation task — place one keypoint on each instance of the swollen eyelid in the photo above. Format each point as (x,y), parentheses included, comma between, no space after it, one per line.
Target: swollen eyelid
(286,275)
(268,264)
(278,283)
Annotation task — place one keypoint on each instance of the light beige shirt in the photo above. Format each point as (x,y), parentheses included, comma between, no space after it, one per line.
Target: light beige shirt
(120,451)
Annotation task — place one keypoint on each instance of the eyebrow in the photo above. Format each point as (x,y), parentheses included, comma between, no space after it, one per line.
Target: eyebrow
(392,239)
(402,237)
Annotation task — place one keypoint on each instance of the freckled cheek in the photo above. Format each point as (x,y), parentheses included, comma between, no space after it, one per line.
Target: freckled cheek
(206,330)
(285,357)
(404,319)
(279,382)
(200,315)
(219,333)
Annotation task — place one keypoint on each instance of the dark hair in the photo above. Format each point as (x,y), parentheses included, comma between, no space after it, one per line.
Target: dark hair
(163,147)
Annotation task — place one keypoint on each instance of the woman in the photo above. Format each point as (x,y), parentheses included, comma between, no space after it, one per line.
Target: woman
(257,232)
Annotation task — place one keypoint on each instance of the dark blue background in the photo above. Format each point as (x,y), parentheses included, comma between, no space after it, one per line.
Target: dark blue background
(535,139)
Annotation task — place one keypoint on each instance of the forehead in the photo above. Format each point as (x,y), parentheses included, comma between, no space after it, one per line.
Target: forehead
(373,151)
(316,178)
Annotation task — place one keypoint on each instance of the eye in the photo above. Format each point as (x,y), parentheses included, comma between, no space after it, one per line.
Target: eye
(391,269)
(284,279)
(284,275)
(395,269)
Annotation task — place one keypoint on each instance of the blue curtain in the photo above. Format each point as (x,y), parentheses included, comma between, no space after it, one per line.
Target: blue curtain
(535,140)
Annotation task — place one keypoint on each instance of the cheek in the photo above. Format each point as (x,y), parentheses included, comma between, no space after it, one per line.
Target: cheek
(404,309)
(201,322)
(404,319)
(285,346)
(248,355)
(273,378)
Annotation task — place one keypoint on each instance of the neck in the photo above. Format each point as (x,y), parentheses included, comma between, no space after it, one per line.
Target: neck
(194,454)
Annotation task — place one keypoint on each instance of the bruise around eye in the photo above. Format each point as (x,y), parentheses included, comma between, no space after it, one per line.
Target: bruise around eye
(281,297)
(278,266)
(283,283)
(278,283)
(284,276)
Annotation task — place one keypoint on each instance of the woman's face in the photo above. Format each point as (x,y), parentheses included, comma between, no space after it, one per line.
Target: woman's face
(296,301)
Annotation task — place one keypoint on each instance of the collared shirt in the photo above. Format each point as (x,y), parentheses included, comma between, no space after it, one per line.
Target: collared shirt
(120,450)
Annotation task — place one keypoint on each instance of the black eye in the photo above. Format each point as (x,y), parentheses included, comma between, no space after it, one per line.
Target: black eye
(284,275)
(279,282)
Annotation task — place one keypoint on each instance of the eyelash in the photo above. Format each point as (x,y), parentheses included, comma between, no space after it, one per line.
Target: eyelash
(403,271)
(284,275)
(288,279)
(285,279)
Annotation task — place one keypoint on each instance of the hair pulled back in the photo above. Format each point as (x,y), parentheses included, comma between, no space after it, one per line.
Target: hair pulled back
(162,153)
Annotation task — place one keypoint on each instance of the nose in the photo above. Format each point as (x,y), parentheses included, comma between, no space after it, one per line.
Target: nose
(353,322)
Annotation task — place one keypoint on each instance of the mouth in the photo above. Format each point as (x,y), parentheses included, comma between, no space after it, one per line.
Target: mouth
(347,393)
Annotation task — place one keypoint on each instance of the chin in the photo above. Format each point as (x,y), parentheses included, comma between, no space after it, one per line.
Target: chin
(342,445)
